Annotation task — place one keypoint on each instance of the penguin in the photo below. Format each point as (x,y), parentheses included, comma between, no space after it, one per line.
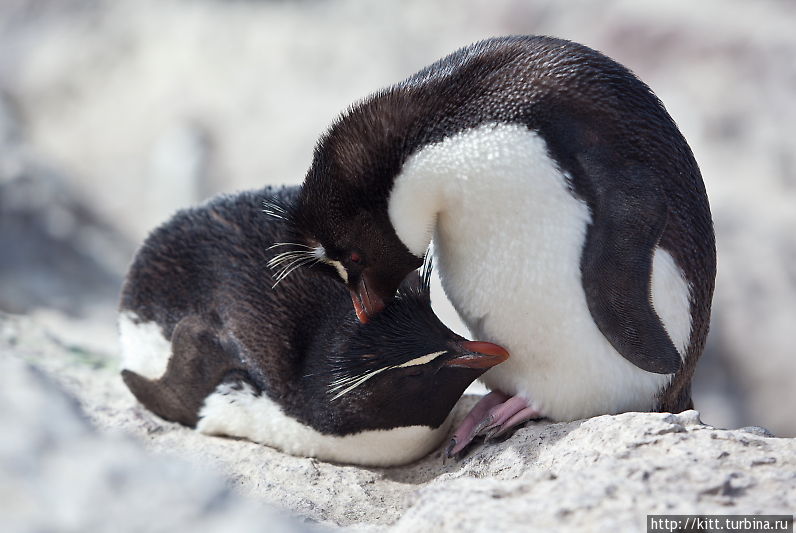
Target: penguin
(215,339)
(569,220)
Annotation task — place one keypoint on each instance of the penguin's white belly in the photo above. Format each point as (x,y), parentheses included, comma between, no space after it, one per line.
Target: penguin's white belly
(242,413)
(508,240)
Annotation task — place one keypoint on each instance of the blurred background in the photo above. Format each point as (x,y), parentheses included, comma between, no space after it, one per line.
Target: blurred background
(115,113)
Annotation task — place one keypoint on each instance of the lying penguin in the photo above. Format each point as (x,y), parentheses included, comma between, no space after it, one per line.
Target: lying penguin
(214,339)
(569,219)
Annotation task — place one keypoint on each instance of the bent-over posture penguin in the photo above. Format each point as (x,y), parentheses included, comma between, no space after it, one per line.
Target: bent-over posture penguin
(207,341)
(569,218)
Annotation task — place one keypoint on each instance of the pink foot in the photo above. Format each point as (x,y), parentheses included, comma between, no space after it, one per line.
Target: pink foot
(492,416)
(522,416)
(466,431)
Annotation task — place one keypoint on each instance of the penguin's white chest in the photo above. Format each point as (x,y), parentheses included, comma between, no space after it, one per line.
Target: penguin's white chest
(239,412)
(508,236)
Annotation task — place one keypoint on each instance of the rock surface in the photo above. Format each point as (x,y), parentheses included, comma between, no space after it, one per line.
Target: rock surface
(606,473)
(59,474)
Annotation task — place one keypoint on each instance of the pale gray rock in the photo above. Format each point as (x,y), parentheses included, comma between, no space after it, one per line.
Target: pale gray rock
(602,474)
(60,475)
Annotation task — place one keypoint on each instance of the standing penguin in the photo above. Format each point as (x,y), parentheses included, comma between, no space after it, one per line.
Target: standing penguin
(208,341)
(569,218)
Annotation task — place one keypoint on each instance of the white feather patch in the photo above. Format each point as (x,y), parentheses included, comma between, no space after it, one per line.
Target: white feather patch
(241,413)
(671,297)
(320,253)
(145,350)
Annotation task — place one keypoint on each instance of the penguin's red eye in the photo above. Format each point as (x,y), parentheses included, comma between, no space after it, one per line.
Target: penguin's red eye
(355,257)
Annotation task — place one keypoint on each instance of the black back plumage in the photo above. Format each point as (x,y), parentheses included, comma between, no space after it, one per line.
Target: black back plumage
(604,128)
(203,277)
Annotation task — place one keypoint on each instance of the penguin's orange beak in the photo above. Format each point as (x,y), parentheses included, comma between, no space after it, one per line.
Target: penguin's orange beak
(479,354)
(366,302)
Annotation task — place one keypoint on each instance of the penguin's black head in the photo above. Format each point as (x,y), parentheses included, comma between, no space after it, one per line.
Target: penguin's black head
(404,367)
(342,209)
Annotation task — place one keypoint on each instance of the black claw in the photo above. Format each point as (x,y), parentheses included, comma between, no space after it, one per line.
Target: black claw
(449,449)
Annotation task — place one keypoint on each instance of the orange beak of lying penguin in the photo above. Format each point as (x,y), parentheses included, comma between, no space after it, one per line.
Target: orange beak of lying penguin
(479,354)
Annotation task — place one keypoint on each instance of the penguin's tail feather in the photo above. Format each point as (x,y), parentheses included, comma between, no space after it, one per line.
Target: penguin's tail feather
(200,361)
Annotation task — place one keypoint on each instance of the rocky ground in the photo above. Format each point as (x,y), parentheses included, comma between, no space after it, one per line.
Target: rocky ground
(602,474)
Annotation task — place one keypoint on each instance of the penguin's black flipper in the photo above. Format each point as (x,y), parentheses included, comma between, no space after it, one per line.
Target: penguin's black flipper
(200,361)
(616,267)
(166,402)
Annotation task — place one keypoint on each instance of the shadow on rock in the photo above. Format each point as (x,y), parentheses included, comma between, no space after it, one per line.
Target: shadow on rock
(505,458)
